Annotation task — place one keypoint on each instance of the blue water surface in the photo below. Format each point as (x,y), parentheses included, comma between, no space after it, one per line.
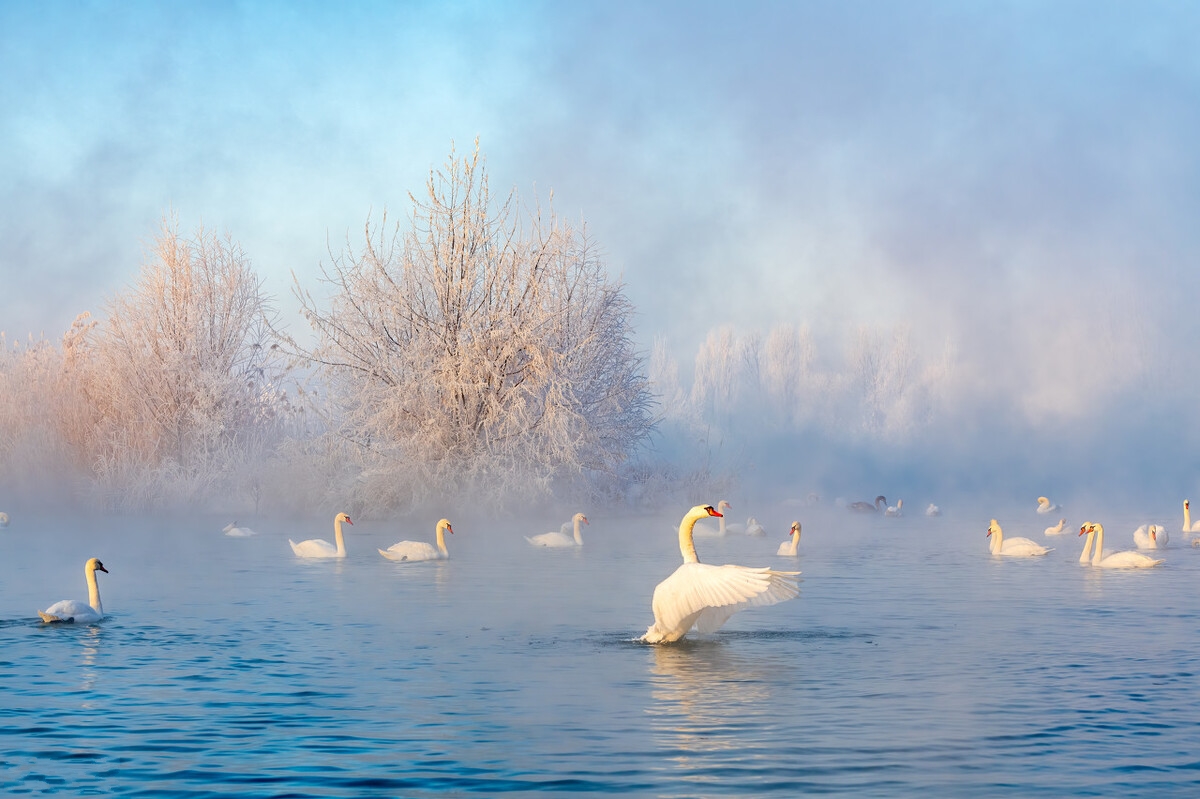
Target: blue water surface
(912,664)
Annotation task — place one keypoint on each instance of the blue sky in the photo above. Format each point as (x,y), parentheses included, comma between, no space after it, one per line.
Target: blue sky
(1021,179)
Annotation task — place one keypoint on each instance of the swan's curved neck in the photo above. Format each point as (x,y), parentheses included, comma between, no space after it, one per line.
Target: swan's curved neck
(1187,517)
(1099,556)
(337,535)
(997,539)
(795,541)
(94,592)
(578,536)
(441,539)
(721,525)
(686,545)
(1087,547)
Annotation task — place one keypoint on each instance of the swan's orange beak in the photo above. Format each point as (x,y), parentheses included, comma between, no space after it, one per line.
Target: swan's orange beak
(989,533)
(585,521)
(449,529)
(1083,530)
(100,568)
(348,521)
(712,512)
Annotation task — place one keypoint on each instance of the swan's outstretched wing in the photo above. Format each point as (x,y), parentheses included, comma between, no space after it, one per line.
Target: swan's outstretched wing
(705,595)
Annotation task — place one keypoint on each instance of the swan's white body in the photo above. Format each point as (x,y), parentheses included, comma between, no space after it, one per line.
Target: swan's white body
(1188,525)
(1125,559)
(704,531)
(1151,536)
(413,551)
(1044,506)
(896,509)
(1013,547)
(705,596)
(3,520)
(234,531)
(74,611)
(561,539)
(788,548)
(319,547)
(1056,529)
(933,510)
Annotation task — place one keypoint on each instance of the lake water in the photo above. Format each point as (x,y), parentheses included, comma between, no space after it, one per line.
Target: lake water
(912,664)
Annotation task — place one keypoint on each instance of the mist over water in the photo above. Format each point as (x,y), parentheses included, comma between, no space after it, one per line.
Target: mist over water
(912,663)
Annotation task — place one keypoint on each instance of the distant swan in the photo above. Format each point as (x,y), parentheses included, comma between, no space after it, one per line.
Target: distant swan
(754,528)
(896,509)
(933,510)
(1125,559)
(704,531)
(867,507)
(561,539)
(320,548)
(788,548)
(72,610)
(1188,525)
(1013,547)
(3,520)
(705,596)
(233,530)
(1044,506)
(1151,536)
(1056,529)
(412,551)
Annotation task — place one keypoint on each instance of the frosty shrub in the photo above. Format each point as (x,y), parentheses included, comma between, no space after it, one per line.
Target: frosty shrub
(180,378)
(482,349)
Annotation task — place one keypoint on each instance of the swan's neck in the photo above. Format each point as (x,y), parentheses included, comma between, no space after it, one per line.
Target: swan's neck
(441,540)
(1099,556)
(795,541)
(997,539)
(337,535)
(1087,547)
(578,537)
(686,545)
(721,525)
(94,592)
(1187,519)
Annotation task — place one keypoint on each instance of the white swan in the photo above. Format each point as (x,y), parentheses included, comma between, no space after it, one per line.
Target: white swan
(72,610)
(754,528)
(412,551)
(233,530)
(706,596)
(3,519)
(320,548)
(1125,559)
(704,531)
(788,548)
(1056,529)
(1044,506)
(560,539)
(1188,525)
(933,510)
(1151,536)
(1013,547)
(895,510)
(867,507)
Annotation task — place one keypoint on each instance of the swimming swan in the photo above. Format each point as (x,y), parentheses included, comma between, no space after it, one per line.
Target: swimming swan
(933,510)
(560,539)
(706,596)
(233,530)
(704,531)
(788,548)
(754,528)
(1044,506)
(1013,547)
(3,519)
(1126,559)
(867,507)
(320,548)
(1188,525)
(1151,536)
(72,610)
(412,551)
(895,510)
(1056,529)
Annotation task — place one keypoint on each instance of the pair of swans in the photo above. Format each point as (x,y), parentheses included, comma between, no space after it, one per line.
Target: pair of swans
(417,551)
(1126,559)
(234,531)
(560,539)
(1044,506)
(1015,547)
(1151,536)
(71,611)
(703,596)
(788,548)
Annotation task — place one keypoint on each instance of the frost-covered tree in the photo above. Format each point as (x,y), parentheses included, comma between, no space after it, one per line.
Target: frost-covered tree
(483,346)
(181,378)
